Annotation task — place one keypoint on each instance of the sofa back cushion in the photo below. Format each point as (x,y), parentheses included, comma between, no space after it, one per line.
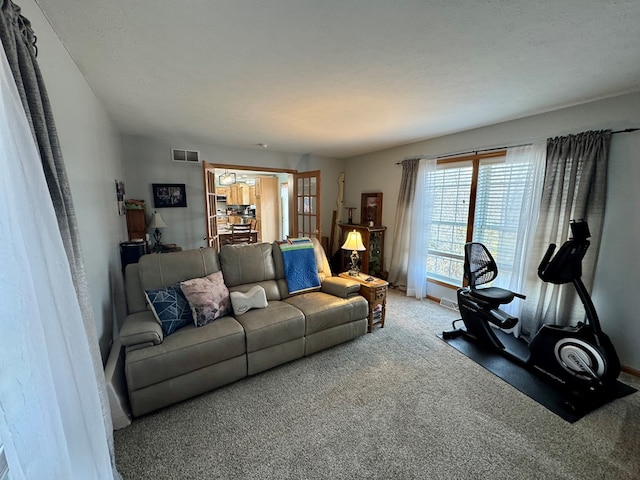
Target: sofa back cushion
(160,270)
(246,265)
(324,270)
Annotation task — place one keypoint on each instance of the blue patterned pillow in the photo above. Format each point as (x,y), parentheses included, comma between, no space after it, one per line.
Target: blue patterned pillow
(170,307)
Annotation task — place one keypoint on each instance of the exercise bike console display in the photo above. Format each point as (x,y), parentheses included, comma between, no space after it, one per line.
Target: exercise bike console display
(580,357)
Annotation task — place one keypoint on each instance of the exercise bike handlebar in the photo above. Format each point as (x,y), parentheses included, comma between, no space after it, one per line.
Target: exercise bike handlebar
(545,260)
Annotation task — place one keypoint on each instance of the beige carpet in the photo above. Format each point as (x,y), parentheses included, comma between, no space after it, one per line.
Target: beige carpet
(395,404)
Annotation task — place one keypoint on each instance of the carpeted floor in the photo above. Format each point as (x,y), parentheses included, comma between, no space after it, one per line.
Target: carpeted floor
(395,404)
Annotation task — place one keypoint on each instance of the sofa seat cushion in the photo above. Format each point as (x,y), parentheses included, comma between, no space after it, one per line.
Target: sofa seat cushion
(187,350)
(324,311)
(279,322)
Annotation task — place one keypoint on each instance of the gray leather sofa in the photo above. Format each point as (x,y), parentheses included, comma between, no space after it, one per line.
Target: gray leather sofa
(162,370)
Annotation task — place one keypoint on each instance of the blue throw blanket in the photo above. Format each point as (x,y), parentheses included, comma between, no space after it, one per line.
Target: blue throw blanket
(300,268)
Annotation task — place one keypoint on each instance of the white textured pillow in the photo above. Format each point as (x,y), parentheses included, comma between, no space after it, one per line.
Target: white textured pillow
(255,297)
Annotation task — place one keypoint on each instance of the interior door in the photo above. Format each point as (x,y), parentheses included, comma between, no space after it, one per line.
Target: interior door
(210,212)
(306,204)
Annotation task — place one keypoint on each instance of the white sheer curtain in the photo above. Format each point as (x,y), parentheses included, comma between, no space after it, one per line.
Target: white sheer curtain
(51,421)
(533,155)
(421,227)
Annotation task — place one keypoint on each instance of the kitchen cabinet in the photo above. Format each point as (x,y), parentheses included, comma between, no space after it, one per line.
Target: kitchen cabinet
(239,194)
(267,216)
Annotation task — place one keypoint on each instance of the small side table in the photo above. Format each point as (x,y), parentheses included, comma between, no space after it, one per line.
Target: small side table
(375,292)
(167,249)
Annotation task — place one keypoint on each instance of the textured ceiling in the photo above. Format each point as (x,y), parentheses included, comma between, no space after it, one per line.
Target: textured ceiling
(344,77)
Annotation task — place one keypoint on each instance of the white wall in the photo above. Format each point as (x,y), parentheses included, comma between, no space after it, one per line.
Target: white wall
(92,155)
(148,161)
(618,272)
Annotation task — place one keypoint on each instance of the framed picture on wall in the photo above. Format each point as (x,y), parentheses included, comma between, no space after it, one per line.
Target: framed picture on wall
(122,210)
(371,209)
(167,195)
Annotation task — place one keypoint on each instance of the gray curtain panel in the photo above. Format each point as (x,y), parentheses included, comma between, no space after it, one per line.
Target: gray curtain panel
(19,42)
(574,188)
(399,264)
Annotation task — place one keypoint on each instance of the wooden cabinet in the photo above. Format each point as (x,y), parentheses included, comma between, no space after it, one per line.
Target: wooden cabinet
(238,194)
(136,224)
(372,259)
(224,191)
(267,208)
(244,195)
(375,291)
(233,195)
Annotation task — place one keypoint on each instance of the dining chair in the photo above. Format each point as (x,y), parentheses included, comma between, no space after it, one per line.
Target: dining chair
(240,233)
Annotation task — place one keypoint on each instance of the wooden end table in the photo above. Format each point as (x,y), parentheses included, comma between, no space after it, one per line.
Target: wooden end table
(375,292)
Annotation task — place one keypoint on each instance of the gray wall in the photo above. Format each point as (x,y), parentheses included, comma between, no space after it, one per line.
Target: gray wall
(92,155)
(94,159)
(618,271)
(148,161)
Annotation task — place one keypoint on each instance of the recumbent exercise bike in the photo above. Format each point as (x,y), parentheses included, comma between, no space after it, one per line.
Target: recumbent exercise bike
(579,357)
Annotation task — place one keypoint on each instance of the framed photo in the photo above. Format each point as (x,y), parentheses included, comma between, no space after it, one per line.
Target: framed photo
(167,195)
(122,210)
(371,209)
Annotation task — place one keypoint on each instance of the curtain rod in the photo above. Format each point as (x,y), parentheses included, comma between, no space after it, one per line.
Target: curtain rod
(484,150)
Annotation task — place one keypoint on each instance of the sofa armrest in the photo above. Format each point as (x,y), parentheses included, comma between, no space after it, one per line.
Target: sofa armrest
(340,287)
(141,328)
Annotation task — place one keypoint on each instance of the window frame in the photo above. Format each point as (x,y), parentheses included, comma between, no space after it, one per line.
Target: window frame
(475,160)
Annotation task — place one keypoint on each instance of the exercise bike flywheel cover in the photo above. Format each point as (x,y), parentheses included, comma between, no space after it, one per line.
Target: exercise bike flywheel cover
(572,352)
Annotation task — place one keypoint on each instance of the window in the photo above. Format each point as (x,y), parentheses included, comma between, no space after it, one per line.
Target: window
(475,198)
(451,187)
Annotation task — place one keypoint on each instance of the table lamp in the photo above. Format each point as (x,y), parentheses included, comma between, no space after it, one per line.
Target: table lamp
(354,243)
(157,222)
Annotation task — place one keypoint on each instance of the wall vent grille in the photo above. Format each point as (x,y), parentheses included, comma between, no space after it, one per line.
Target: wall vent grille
(445,302)
(185,156)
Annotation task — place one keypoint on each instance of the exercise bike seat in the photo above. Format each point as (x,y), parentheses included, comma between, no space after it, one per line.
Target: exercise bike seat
(493,295)
(481,268)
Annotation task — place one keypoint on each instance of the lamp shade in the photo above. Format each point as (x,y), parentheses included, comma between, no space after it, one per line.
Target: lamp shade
(354,242)
(157,221)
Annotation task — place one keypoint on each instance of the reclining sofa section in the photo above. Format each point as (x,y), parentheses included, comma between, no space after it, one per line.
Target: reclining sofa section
(163,370)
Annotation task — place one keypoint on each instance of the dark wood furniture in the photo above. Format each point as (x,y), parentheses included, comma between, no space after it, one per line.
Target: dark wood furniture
(130,252)
(375,291)
(136,224)
(372,259)
(371,209)
(168,248)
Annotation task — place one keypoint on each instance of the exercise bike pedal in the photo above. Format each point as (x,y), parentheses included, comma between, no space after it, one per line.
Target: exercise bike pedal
(449,334)
(455,332)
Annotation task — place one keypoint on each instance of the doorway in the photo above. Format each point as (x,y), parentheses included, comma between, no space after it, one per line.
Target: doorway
(230,191)
(284,210)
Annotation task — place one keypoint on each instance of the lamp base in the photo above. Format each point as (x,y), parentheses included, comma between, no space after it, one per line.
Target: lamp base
(354,271)
(157,235)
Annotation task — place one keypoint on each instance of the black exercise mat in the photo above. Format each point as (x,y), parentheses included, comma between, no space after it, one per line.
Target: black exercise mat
(555,398)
